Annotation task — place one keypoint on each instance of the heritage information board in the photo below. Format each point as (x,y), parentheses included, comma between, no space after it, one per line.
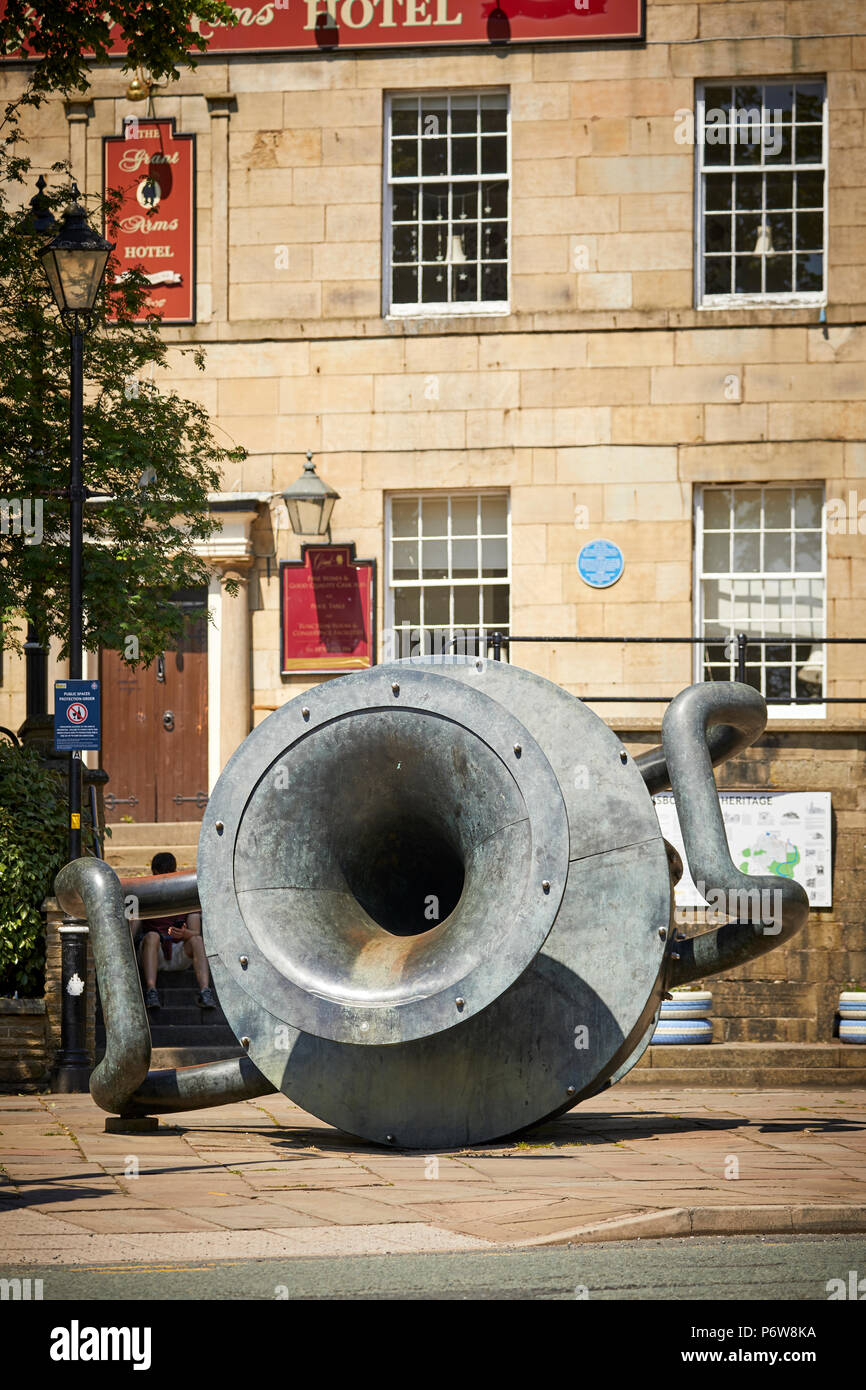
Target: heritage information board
(786,833)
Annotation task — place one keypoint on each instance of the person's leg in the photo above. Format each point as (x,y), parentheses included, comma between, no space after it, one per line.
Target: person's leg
(194,948)
(150,958)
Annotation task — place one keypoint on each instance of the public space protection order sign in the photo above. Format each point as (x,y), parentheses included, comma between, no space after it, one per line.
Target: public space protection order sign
(76,716)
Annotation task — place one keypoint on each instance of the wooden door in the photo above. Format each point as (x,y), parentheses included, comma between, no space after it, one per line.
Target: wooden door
(154,740)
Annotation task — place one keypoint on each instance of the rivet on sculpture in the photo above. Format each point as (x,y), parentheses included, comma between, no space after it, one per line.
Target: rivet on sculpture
(437,904)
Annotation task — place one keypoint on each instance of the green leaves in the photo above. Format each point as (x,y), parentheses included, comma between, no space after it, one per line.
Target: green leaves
(33,840)
(139,539)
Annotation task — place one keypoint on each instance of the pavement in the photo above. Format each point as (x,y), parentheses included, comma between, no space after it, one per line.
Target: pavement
(263,1179)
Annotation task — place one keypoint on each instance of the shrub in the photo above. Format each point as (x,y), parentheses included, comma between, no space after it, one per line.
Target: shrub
(33,846)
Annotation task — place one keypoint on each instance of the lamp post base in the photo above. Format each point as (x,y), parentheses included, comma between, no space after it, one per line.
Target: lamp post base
(72,1065)
(70,1078)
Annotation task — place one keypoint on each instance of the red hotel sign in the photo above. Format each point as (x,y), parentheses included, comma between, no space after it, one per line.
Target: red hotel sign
(155,227)
(284,26)
(329,24)
(326,611)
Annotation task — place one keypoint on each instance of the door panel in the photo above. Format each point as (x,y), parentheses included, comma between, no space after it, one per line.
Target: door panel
(154,743)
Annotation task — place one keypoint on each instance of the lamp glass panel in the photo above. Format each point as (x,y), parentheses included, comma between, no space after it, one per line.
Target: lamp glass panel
(80,273)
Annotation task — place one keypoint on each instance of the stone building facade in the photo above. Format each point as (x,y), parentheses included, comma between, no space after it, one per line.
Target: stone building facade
(664,348)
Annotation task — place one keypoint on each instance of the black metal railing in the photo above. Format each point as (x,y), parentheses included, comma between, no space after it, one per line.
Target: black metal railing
(496,641)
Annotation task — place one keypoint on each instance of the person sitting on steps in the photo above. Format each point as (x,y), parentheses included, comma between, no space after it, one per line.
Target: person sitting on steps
(172,943)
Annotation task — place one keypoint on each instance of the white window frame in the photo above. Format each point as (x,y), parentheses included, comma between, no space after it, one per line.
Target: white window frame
(493,308)
(442,494)
(794,299)
(790,711)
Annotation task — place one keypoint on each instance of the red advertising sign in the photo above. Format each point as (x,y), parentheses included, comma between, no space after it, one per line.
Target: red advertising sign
(155,228)
(329,24)
(285,26)
(327,611)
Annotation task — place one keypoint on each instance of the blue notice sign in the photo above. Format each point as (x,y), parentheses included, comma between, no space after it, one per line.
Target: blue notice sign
(600,564)
(76,715)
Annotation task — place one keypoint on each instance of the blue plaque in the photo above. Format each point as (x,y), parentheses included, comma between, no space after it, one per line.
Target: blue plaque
(76,716)
(600,564)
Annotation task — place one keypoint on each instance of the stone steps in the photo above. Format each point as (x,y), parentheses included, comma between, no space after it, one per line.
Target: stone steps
(131,847)
(751,1064)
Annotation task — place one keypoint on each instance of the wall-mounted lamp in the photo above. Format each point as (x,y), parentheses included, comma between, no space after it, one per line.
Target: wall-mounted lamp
(309,502)
(139,88)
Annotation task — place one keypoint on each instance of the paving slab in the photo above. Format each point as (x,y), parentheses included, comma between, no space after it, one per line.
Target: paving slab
(265,1179)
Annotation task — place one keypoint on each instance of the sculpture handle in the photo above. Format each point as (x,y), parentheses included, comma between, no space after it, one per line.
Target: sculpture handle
(768,909)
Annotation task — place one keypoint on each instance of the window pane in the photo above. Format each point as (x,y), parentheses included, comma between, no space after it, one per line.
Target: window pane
(405,244)
(464,282)
(718,233)
(404,285)
(810,190)
(777,509)
(808,142)
(747,274)
(404,158)
(810,273)
(749,191)
(717,509)
(496,604)
(780,190)
(780,226)
(437,606)
(777,552)
(780,275)
(807,550)
(777,144)
(494,558)
(717,552)
(434,116)
(434,516)
(494,154)
(407,607)
(717,275)
(807,506)
(404,116)
(464,516)
(464,559)
(747,510)
(810,101)
(405,560)
(434,158)
(464,156)
(779,101)
(810,231)
(434,285)
(466,605)
(494,516)
(464,114)
(435,560)
(747,228)
(405,208)
(719,196)
(747,552)
(404,516)
(493,112)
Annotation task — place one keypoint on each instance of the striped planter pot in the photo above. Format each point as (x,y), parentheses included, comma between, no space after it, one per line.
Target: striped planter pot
(852,1016)
(685,1018)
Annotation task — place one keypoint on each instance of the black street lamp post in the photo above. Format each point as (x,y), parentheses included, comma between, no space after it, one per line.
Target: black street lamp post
(74,263)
